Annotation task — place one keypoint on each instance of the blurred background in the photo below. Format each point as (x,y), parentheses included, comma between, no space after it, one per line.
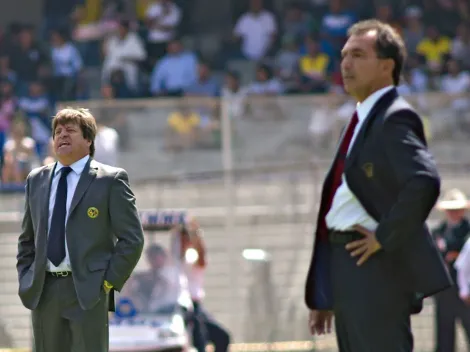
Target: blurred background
(228,108)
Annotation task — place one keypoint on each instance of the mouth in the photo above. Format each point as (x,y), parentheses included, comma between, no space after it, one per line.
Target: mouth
(62,144)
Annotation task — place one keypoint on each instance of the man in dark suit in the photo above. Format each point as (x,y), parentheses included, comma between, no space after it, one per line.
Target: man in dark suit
(81,238)
(373,256)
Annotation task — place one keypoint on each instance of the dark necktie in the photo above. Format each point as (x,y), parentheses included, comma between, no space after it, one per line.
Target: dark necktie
(337,172)
(56,240)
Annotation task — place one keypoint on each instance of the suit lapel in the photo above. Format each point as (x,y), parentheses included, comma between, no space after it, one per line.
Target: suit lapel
(87,176)
(46,193)
(337,149)
(379,106)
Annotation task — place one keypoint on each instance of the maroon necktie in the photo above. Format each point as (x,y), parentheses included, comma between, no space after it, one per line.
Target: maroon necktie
(337,172)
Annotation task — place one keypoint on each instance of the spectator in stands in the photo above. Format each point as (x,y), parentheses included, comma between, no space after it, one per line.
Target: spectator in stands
(50,158)
(106,145)
(124,51)
(265,82)
(413,31)
(416,75)
(162,20)
(256,30)
(58,14)
(26,58)
(66,65)
(183,128)
(19,154)
(286,63)
(115,118)
(297,23)
(461,45)
(205,328)
(457,82)
(38,111)
(435,48)
(158,289)
(384,13)
(235,95)
(6,73)
(207,83)
(313,68)
(8,105)
(175,72)
(450,237)
(334,27)
(118,82)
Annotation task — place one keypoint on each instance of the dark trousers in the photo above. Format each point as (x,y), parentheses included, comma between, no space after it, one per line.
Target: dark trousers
(206,329)
(61,325)
(372,310)
(449,308)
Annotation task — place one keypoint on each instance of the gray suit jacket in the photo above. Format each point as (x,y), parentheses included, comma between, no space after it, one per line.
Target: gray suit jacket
(103,245)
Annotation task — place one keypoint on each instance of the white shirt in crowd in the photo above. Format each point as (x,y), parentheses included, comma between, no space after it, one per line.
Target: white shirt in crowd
(155,12)
(72,181)
(124,55)
(462,265)
(66,60)
(346,211)
(256,32)
(107,146)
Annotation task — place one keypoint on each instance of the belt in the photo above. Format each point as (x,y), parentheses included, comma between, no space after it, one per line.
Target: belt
(343,237)
(59,273)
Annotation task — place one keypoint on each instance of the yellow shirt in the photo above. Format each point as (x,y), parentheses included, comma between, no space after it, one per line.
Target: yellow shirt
(434,51)
(141,8)
(317,64)
(92,11)
(183,124)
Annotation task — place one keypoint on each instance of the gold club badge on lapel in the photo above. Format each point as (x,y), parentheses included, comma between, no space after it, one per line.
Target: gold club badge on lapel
(92,212)
(368,169)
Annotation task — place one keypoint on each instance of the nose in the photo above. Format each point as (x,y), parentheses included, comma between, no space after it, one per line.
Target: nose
(63,133)
(346,62)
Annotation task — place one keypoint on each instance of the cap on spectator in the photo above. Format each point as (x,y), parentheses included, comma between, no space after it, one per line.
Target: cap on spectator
(453,199)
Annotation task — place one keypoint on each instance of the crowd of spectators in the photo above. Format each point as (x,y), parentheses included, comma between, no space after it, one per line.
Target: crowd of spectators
(140,53)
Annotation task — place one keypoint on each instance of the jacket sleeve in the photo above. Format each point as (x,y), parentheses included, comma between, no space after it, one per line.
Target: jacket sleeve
(415,171)
(128,230)
(26,247)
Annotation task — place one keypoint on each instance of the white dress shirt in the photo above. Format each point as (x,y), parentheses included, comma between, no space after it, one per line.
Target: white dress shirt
(462,265)
(72,181)
(346,211)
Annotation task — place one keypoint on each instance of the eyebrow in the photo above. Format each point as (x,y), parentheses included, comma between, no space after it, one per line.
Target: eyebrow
(353,50)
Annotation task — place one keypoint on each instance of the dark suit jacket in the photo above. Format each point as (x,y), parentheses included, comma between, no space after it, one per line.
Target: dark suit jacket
(394,177)
(103,247)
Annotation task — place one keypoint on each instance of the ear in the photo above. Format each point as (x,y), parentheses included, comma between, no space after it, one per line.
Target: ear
(388,65)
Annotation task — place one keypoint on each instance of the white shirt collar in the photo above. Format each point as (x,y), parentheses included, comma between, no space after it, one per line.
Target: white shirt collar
(366,106)
(77,166)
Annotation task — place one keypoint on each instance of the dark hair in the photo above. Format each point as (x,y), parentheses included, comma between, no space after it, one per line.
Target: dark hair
(155,250)
(80,117)
(388,45)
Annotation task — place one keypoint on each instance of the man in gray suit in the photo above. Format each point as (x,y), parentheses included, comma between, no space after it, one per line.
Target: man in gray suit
(81,238)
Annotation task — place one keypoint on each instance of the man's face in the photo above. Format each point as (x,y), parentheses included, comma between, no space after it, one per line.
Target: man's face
(157,261)
(360,67)
(455,215)
(69,143)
